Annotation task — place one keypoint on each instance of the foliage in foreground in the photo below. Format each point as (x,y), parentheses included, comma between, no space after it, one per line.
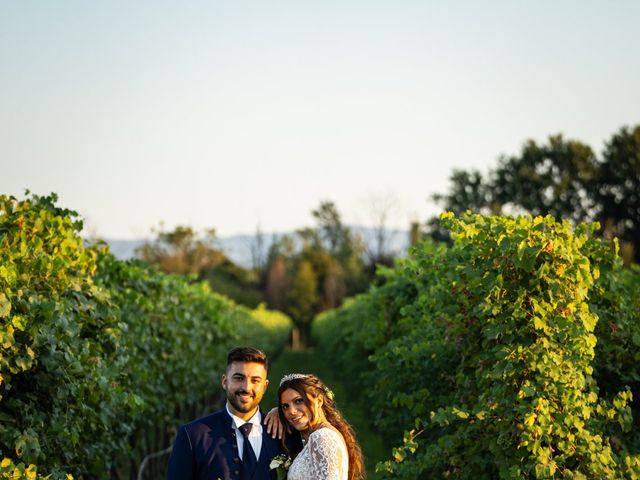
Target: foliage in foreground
(100,359)
(481,359)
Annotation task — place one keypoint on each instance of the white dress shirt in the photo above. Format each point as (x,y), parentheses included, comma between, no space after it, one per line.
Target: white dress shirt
(255,436)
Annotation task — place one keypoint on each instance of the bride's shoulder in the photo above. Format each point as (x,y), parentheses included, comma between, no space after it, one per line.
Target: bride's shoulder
(324,430)
(327,432)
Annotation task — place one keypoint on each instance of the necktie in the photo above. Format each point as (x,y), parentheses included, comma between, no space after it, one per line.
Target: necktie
(249,460)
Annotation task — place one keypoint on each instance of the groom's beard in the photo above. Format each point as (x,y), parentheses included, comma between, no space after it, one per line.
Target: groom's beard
(245,406)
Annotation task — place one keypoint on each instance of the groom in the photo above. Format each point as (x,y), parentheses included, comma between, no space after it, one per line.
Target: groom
(230,444)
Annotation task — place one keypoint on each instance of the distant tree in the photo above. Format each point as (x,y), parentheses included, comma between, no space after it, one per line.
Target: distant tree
(315,270)
(333,287)
(617,189)
(278,271)
(284,245)
(415,233)
(234,281)
(277,284)
(563,178)
(342,245)
(310,239)
(555,179)
(258,260)
(382,208)
(303,298)
(182,251)
(337,237)
(467,191)
(330,227)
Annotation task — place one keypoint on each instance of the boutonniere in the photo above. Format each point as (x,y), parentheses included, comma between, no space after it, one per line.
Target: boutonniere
(281,464)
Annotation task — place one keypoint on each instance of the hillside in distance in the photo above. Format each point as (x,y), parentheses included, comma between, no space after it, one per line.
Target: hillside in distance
(239,248)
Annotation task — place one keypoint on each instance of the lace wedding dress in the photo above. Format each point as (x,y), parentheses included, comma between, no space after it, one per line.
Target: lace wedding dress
(324,457)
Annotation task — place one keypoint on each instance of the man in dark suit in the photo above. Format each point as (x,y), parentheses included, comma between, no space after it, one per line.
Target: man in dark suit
(231,444)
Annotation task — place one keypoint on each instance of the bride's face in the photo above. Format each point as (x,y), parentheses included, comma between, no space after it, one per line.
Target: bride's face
(296,411)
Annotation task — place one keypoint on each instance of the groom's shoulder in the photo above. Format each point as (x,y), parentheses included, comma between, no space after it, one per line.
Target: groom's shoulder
(212,421)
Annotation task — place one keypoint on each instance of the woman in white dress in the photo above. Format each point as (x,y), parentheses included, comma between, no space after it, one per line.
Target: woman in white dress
(330,450)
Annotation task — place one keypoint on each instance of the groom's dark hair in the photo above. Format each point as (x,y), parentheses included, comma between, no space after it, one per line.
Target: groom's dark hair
(247,354)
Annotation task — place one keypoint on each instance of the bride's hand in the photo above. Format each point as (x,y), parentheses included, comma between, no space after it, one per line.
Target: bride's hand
(273,424)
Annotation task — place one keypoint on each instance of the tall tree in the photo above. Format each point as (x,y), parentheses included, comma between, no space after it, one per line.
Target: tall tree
(303,298)
(554,178)
(330,227)
(277,284)
(315,270)
(342,244)
(382,208)
(618,188)
(257,247)
(333,287)
(467,191)
(563,178)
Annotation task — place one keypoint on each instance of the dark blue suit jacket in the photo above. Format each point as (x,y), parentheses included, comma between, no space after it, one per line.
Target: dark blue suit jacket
(206,449)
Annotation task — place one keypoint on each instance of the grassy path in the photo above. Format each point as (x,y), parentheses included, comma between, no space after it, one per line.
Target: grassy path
(312,362)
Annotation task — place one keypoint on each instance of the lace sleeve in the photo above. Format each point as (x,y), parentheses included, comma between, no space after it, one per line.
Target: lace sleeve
(327,451)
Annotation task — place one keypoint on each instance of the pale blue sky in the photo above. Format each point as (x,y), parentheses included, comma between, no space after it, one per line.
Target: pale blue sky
(229,114)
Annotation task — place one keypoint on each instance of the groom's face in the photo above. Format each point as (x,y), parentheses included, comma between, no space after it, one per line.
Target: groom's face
(244,384)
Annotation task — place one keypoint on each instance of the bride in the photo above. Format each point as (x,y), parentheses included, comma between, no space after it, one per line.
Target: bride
(330,450)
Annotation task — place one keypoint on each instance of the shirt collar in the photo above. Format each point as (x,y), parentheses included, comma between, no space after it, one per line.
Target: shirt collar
(238,422)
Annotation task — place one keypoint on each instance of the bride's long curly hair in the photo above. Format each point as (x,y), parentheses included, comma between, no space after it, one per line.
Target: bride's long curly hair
(309,387)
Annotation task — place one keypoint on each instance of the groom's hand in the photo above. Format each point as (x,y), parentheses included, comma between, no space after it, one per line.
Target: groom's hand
(273,424)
